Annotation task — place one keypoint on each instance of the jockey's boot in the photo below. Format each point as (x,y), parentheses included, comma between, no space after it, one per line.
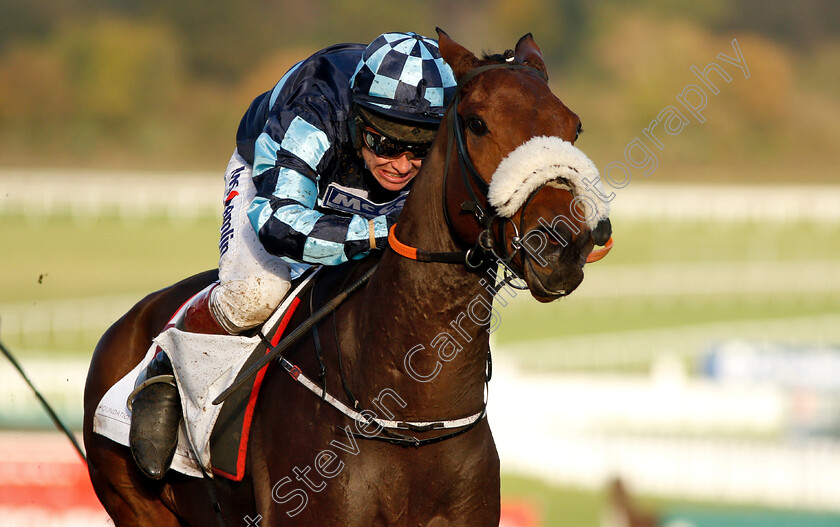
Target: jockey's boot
(155,417)
(199,317)
(156,404)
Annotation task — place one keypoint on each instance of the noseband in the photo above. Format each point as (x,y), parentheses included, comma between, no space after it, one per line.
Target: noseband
(486,244)
(486,249)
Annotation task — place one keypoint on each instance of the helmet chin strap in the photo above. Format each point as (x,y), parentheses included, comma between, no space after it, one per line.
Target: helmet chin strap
(354,123)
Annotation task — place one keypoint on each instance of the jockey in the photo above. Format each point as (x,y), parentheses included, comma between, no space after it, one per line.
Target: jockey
(322,167)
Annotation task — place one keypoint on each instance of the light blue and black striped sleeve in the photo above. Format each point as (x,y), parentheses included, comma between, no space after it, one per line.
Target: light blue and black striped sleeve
(287,159)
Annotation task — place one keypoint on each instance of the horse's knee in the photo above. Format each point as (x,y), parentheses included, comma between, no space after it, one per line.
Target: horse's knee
(243,304)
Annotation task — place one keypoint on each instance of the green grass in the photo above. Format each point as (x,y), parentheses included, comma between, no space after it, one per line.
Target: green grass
(562,506)
(644,242)
(58,257)
(527,321)
(555,505)
(54,258)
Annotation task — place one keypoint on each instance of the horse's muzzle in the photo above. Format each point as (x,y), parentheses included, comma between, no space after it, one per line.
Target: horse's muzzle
(602,232)
(562,272)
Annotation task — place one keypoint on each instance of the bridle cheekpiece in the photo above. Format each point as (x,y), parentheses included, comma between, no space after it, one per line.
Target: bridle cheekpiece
(487,249)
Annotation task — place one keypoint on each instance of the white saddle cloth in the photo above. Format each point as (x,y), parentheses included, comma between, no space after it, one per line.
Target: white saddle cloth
(204,366)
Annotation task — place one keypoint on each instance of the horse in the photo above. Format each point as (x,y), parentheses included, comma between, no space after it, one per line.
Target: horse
(412,345)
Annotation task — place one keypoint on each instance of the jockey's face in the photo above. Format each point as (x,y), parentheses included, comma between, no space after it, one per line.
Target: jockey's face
(393,173)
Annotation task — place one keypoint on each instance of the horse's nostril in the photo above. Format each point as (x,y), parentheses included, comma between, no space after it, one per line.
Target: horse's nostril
(602,232)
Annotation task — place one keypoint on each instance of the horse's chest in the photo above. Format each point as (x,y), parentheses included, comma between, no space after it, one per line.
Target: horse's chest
(431,486)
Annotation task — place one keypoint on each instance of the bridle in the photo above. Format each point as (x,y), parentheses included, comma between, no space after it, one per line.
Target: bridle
(486,249)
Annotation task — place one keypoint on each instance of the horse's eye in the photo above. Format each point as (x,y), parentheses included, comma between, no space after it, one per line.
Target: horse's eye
(578,131)
(476,126)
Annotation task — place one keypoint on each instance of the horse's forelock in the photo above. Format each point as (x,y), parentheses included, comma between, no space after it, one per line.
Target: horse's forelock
(498,58)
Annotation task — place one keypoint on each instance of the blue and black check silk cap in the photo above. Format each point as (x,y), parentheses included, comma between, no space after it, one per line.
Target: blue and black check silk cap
(403,76)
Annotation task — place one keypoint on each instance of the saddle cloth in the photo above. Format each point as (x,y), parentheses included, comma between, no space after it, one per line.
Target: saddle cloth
(204,366)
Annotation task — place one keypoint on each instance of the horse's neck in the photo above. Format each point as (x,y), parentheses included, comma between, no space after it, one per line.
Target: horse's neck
(421,317)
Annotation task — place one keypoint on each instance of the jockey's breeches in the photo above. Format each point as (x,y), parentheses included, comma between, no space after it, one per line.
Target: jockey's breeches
(252,283)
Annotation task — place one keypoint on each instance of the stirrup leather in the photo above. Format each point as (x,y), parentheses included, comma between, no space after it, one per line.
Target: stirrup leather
(166,379)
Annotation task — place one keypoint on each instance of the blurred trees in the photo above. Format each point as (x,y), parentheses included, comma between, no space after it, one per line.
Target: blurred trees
(642,63)
(90,86)
(163,84)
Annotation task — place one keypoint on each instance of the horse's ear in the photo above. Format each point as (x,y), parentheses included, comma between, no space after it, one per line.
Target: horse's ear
(528,53)
(459,58)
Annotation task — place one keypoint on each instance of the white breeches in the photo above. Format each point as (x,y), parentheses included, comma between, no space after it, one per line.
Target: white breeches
(252,283)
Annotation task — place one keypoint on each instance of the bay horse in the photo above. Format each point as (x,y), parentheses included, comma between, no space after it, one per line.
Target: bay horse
(407,343)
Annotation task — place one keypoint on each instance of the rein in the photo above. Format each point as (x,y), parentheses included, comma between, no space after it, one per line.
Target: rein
(486,244)
(473,258)
(383,429)
(385,426)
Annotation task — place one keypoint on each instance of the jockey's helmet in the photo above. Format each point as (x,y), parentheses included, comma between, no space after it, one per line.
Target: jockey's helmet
(402,87)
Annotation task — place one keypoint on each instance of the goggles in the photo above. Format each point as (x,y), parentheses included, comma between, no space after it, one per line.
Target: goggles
(384,146)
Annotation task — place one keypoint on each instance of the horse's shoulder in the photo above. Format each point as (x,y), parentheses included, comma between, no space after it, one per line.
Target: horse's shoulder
(334,279)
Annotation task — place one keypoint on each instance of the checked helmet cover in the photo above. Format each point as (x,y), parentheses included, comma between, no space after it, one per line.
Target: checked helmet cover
(402,76)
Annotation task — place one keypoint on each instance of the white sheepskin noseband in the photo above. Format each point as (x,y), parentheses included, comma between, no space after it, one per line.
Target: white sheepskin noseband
(553,161)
